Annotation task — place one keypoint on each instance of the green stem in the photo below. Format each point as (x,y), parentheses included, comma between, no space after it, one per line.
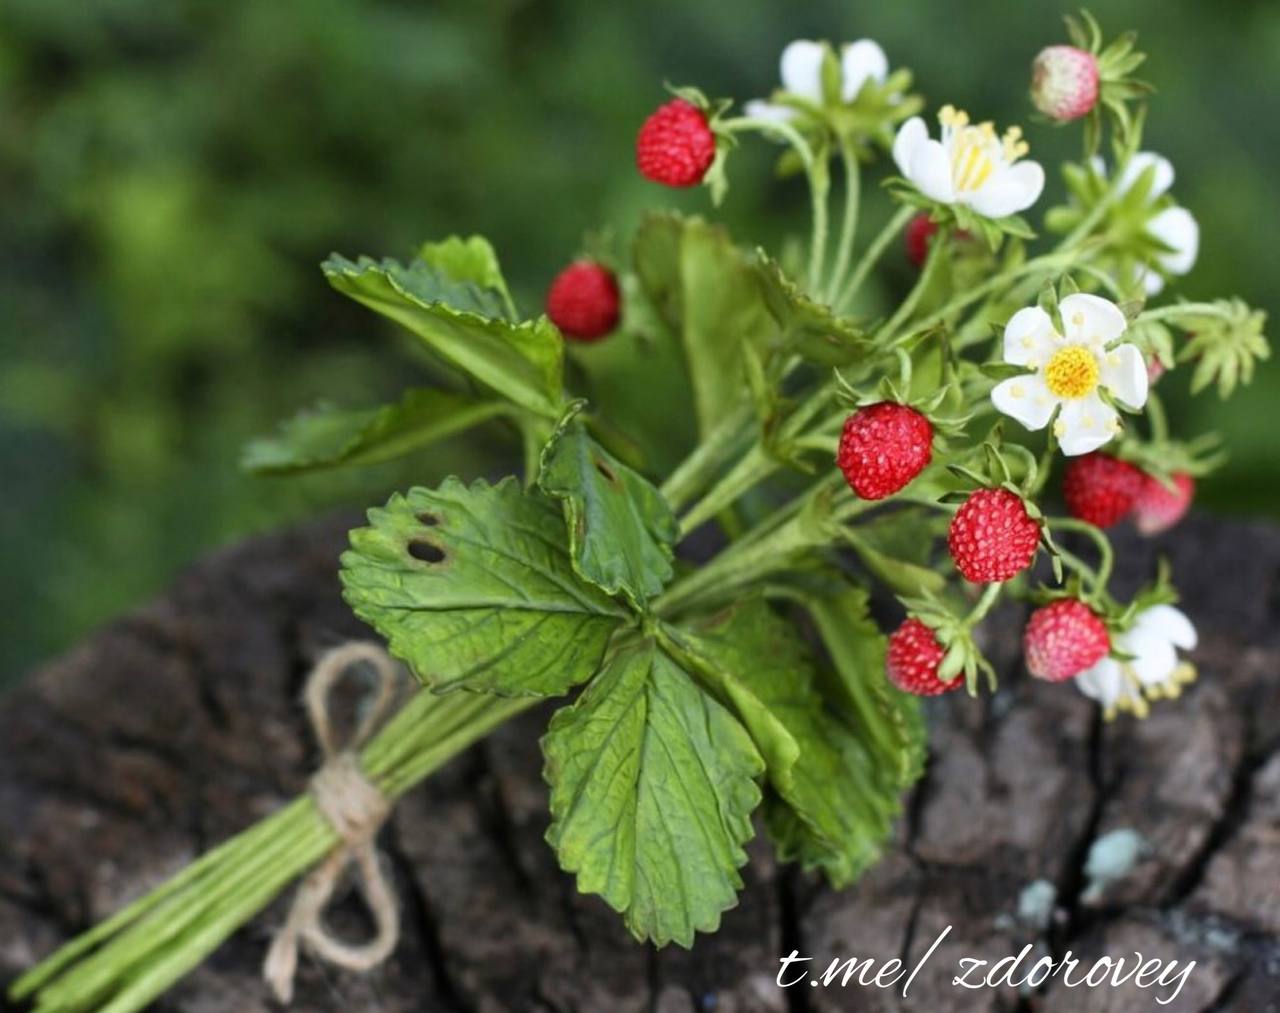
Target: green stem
(873,253)
(1157,418)
(849,225)
(908,305)
(1106,556)
(988,599)
(695,471)
(1183,309)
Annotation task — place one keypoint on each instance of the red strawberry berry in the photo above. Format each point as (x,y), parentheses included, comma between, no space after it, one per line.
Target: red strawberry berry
(912,660)
(992,538)
(675,146)
(1063,639)
(583,301)
(883,447)
(919,231)
(1100,489)
(1159,507)
(1064,82)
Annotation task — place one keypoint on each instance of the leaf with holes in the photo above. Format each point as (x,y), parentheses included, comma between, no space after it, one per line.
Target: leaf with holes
(473,587)
(830,809)
(327,437)
(459,321)
(620,528)
(652,789)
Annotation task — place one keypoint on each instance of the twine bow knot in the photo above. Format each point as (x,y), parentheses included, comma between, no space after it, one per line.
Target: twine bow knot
(356,810)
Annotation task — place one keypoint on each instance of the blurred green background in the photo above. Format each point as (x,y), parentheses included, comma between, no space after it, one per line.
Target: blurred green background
(171,173)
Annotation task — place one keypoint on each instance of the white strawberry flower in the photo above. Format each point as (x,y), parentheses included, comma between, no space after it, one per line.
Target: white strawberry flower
(801,70)
(1069,369)
(1173,226)
(970,165)
(1150,667)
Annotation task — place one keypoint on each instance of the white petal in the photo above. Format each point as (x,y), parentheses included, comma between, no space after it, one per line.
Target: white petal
(1124,374)
(1029,337)
(1139,164)
(1153,282)
(1154,658)
(1170,623)
(1084,425)
(1176,227)
(862,61)
(1098,165)
(1008,192)
(1026,399)
(1092,319)
(769,112)
(802,69)
(911,135)
(1103,682)
(930,171)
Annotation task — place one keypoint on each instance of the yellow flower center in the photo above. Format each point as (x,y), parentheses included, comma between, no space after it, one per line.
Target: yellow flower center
(1072,372)
(975,147)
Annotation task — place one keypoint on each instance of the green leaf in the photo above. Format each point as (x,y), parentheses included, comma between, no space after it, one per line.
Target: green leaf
(458,321)
(708,292)
(469,260)
(810,328)
(473,587)
(652,789)
(327,437)
(831,810)
(620,528)
(888,721)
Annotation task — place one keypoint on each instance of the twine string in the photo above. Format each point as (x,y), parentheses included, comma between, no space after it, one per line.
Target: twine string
(356,810)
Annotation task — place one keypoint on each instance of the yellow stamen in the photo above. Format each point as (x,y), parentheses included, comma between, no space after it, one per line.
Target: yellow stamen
(1072,372)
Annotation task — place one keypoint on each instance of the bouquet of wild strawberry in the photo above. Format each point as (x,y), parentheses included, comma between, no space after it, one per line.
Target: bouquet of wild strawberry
(755,680)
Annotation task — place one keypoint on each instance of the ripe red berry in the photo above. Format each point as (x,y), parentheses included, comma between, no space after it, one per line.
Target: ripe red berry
(1100,489)
(583,301)
(883,447)
(675,145)
(1158,507)
(919,231)
(1064,638)
(912,660)
(1064,82)
(992,538)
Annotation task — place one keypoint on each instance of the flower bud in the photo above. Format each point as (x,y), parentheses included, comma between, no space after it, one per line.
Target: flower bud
(1064,82)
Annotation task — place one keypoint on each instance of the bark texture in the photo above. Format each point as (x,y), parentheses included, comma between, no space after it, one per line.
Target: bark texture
(178,725)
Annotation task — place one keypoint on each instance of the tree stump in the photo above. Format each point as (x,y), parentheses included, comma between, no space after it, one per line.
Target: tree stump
(178,725)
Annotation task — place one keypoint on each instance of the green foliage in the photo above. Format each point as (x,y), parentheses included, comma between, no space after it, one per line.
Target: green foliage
(327,437)
(652,789)
(707,290)
(831,807)
(620,529)
(473,587)
(459,321)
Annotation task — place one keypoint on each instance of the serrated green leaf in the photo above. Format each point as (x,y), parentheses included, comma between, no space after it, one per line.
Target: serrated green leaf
(652,789)
(620,528)
(458,321)
(473,587)
(470,259)
(326,437)
(809,328)
(709,294)
(831,808)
